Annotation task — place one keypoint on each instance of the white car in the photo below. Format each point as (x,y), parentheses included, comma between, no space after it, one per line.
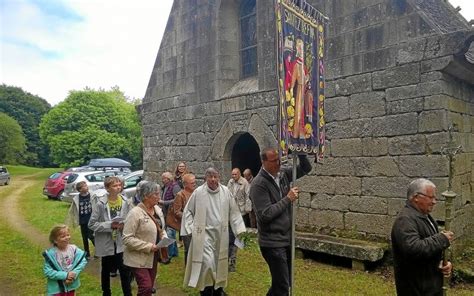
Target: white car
(131,180)
(95,182)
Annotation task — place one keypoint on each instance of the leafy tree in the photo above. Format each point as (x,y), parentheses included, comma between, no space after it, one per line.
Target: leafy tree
(27,110)
(12,140)
(92,124)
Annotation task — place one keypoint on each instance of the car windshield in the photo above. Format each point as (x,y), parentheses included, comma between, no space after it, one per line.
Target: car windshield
(55,176)
(99,177)
(3,170)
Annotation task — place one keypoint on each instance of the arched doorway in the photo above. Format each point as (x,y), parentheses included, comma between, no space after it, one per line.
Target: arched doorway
(246,154)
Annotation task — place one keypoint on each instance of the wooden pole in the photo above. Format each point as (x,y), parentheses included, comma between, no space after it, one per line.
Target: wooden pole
(293,215)
(449,195)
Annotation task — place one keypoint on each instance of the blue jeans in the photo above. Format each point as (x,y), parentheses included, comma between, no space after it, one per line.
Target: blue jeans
(173,248)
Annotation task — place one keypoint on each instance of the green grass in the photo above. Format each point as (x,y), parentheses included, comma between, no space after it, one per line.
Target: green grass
(252,276)
(20,170)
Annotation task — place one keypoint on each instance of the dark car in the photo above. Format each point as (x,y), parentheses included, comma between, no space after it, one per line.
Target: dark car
(54,186)
(4,176)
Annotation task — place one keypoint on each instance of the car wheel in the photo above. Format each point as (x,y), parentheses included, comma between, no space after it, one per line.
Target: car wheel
(60,195)
(7,182)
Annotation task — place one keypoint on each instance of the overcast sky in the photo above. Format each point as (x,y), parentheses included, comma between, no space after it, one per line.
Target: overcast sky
(49,47)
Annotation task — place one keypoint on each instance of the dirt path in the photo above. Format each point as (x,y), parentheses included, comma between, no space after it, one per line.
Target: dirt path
(14,218)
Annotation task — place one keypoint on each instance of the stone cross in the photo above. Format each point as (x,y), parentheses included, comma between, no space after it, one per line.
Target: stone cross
(450,151)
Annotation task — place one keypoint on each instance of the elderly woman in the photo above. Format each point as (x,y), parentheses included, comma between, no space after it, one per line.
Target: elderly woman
(170,189)
(141,233)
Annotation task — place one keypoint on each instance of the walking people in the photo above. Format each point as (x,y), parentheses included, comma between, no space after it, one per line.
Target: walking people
(272,197)
(170,189)
(142,231)
(207,216)
(417,244)
(248,175)
(63,263)
(240,189)
(80,213)
(107,221)
(175,212)
(179,172)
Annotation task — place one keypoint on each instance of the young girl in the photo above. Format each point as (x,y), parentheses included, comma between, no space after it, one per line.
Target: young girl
(63,263)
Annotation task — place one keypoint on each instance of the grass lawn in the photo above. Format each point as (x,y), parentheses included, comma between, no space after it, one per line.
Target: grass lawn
(252,277)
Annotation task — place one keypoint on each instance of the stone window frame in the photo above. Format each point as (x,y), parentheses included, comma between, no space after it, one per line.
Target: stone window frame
(246,14)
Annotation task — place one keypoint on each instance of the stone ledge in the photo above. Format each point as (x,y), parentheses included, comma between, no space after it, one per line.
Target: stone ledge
(343,247)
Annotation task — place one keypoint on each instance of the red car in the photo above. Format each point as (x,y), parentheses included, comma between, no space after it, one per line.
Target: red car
(54,186)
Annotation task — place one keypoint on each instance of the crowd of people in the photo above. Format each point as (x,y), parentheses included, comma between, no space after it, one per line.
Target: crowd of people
(133,235)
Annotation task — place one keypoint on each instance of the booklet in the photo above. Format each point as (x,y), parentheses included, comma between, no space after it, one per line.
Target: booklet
(240,244)
(165,242)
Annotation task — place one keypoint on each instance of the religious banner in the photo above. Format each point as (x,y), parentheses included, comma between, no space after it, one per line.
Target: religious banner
(300,36)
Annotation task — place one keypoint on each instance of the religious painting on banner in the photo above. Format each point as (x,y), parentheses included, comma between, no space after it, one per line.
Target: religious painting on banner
(301,74)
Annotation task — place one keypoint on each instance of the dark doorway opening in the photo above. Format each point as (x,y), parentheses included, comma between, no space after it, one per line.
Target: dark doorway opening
(246,154)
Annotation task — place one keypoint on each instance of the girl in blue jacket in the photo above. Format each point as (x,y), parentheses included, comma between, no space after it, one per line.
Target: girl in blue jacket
(63,263)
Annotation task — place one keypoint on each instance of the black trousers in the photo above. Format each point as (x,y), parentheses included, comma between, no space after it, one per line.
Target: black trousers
(209,291)
(186,243)
(279,262)
(110,263)
(87,235)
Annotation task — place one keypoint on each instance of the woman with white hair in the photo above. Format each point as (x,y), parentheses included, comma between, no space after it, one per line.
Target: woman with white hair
(142,231)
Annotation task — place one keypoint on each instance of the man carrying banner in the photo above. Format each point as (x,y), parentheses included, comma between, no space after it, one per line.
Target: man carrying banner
(272,197)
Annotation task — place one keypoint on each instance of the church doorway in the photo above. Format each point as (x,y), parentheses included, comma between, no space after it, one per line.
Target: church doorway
(246,154)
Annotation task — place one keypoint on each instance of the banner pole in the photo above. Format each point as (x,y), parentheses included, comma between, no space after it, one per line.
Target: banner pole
(293,232)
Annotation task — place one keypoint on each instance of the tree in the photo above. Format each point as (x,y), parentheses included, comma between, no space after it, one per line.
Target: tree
(92,124)
(27,110)
(12,140)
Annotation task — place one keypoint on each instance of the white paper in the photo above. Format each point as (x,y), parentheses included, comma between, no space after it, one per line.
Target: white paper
(240,244)
(118,219)
(164,242)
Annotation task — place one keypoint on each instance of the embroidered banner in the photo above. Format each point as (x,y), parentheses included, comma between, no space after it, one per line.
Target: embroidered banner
(300,36)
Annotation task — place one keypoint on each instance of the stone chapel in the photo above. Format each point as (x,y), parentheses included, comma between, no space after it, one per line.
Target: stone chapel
(399,74)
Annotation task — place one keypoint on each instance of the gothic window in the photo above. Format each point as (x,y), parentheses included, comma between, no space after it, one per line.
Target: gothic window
(248,38)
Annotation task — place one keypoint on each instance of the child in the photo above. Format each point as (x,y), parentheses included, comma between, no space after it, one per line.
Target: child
(80,213)
(63,263)
(107,221)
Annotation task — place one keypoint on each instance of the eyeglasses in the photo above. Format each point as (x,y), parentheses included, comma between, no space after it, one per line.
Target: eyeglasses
(274,160)
(430,197)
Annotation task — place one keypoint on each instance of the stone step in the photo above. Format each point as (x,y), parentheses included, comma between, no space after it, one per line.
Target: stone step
(358,250)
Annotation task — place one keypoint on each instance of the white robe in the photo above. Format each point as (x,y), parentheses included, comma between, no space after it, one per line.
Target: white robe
(207,216)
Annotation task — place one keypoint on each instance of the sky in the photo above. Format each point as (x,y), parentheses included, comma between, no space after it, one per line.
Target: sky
(49,47)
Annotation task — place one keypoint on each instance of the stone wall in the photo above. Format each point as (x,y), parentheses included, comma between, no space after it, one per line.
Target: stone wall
(389,105)
(394,86)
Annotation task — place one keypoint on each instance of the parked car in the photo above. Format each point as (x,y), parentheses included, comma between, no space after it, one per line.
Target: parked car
(94,180)
(4,176)
(54,186)
(131,180)
(109,162)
